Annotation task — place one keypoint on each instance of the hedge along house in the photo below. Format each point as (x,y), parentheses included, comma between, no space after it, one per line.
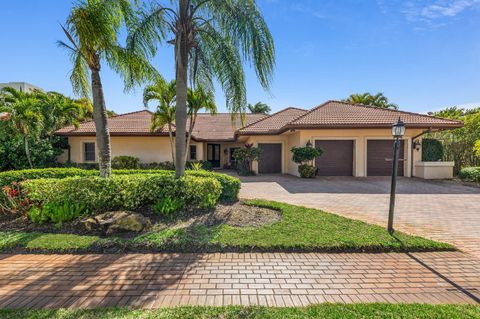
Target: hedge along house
(356,139)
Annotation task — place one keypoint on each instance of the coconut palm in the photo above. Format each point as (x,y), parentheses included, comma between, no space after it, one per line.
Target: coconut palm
(259,107)
(92,30)
(164,94)
(196,100)
(377,100)
(211,39)
(24,114)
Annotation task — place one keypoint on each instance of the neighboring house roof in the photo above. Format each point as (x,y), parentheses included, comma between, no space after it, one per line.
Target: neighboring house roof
(219,127)
(272,124)
(336,114)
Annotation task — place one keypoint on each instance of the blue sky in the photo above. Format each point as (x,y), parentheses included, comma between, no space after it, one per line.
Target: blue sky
(423,55)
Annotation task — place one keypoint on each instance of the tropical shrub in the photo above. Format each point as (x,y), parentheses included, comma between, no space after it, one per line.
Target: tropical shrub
(307,171)
(123,191)
(432,150)
(168,205)
(196,166)
(125,162)
(470,174)
(57,212)
(230,185)
(244,157)
(163,166)
(304,156)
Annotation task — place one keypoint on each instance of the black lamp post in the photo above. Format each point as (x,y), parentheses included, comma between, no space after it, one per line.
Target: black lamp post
(398,130)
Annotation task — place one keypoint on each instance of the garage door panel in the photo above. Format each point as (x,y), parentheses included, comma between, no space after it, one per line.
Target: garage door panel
(271,159)
(380,156)
(337,157)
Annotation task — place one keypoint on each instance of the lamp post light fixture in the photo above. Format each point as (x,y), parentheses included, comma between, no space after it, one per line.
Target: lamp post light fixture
(398,130)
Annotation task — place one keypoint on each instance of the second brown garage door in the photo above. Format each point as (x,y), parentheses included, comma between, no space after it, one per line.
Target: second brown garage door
(271,159)
(337,158)
(379,158)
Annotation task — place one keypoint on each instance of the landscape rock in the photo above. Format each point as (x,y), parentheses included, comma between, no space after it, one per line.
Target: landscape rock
(117,221)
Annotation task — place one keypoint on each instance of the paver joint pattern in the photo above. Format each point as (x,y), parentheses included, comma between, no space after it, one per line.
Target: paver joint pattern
(274,279)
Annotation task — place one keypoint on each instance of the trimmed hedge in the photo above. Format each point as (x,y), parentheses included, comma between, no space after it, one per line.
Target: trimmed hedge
(432,150)
(470,174)
(230,185)
(123,191)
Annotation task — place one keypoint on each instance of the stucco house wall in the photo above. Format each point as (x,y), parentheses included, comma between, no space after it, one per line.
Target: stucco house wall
(149,149)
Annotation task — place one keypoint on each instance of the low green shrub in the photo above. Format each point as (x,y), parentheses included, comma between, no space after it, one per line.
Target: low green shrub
(307,171)
(432,150)
(470,174)
(170,166)
(168,205)
(8,177)
(57,212)
(125,162)
(124,191)
(230,185)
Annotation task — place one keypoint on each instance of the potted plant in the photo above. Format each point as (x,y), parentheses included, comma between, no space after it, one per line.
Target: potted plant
(244,158)
(304,156)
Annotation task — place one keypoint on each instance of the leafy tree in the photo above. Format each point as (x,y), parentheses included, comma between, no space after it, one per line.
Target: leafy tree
(377,100)
(164,94)
(244,157)
(196,100)
(259,107)
(212,39)
(459,144)
(25,115)
(92,30)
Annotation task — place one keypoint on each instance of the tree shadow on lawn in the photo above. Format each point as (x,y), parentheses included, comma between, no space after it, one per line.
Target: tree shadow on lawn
(466,291)
(92,280)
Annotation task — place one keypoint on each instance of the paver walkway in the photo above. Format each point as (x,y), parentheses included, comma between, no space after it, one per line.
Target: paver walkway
(442,211)
(156,280)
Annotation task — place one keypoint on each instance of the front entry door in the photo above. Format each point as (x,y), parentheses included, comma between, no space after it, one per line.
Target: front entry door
(213,154)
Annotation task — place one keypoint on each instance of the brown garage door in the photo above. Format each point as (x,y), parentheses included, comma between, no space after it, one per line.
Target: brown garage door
(380,156)
(337,158)
(271,159)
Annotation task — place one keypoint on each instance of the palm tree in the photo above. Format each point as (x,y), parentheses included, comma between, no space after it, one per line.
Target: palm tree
(59,111)
(24,114)
(377,100)
(92,30)
(259,107)
(196,100)
(164,93)
(211,39)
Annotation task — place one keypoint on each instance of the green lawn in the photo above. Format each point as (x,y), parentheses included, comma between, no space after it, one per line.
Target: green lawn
(325,311)
(300,229)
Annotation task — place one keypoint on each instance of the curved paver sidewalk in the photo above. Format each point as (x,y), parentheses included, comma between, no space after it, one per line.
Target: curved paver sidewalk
(156,280)
(442,211)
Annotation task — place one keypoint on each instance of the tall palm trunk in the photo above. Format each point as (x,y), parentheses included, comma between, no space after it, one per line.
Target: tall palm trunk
(170,135)
(101,127)
(181,61)
(27,151)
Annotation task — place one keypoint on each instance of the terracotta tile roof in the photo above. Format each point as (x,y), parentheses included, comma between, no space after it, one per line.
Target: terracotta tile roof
(272,124)
(219,127)
(335,114)
(208,127)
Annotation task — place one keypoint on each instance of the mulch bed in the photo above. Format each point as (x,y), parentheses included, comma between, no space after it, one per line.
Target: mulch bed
(235,214)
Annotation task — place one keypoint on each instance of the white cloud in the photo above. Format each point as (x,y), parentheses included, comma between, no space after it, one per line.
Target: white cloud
(437,9)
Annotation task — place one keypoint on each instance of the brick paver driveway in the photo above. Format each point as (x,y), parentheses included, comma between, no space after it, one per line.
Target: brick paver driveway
(156,280)
(439,210)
